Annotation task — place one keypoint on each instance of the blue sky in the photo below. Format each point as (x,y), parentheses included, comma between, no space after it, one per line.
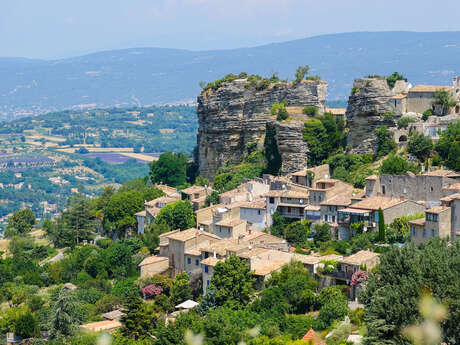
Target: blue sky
(63,28)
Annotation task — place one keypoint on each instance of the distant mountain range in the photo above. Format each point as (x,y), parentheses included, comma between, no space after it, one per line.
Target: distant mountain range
(145,76)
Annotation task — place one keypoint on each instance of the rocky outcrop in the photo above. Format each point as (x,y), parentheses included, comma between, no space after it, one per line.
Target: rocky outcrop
(368,109)
(236,115)
(292,148)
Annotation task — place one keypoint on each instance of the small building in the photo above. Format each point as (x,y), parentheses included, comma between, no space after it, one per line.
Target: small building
(422,97)
(366,211)
(196,195)
(308,176)
(289,203)
(154,265)
(100,326)
(437,223)
(453,201)
(312,338)
(113,315)
(231,228)
(325,189)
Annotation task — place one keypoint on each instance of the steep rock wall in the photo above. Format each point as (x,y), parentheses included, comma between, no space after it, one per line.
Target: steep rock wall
(234,115)
(292,148)
(367,106)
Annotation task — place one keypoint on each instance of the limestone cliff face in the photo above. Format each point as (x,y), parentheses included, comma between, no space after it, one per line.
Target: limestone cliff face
(367,106)
(234,116)
(293,150)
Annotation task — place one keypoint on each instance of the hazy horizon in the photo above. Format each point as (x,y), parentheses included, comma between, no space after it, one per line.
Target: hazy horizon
(52,29)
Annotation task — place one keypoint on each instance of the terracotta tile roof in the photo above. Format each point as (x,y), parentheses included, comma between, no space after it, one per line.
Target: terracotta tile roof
(141,214)
(193,189)
(360,257)
(253,252)
(301,173)
(372,177)
(451,197)
(163,200)
(211,261)
(288,193)
(339,200)
(259,204)
(267,269)
(400,96)
(354,210)
(194,252)
(440,172)
(310,335)
(419,221)
(437,209)
(166,189)
(429,88)
(231,222)
(189,234)
(455,186)
(102,325)
(313,208)
(152,260)
(376,202)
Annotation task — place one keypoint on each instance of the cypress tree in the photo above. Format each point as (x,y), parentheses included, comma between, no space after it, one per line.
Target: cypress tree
(381,226)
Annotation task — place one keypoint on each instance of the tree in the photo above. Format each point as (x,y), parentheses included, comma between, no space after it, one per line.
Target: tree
(381,226)
(448,146)
(445,99)
(170,169)
(64,318)
(296,285)
(395,165)
(20,223)
(301,72)
(180,290)
(420,146)
(385,142)
(233,283)
(78,218)
(139,320)
(393,78)
(208,303)
(212,199)
(271,152)
(322,233)
(177,215)
(297,232)
(393,293)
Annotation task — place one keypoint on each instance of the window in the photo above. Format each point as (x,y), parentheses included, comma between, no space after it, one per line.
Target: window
(207,282)
(197,262)
(333,219)
(206,269)
(258,212)
(189,261)
(424,233)
(433,233)
(383,190)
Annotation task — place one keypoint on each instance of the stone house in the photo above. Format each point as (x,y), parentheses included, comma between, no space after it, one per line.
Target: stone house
(437,223)
(154,265)
(184,241)
(329,211)
(254,213)
(152,208)
(422,97)
(230,228)
(196,195)
(453,201)
(429,187)
(366,211)
(247,191)
(318,172)
(289,203)
(325,189)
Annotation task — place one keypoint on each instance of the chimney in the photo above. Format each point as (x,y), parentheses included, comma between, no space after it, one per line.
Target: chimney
(214,254)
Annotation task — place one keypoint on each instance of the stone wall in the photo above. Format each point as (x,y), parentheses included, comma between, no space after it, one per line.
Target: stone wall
(410,186)
(234,116)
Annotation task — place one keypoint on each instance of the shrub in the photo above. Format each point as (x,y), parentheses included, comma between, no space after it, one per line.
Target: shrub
(404,121)
(426,114)
(392,79)
(395,165)
(310,110)
(420,146)
(355,90)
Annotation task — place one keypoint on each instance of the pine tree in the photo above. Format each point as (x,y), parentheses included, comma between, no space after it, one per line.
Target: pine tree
(64,318)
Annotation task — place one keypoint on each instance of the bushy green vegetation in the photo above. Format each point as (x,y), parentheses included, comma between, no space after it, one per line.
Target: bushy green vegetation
(351,168)
(324,136)
(385,142)
(392,294)
(393,78)
(279,109)
(310,110)
(445,99)
(170,169)
(448,146)
(396,165)
(420,146)
(404,122)
(426,114)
